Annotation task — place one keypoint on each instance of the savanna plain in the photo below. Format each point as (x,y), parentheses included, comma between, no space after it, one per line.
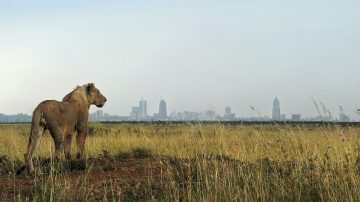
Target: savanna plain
(189,162)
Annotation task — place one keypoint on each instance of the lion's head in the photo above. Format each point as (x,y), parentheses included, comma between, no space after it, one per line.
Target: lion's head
(94,95)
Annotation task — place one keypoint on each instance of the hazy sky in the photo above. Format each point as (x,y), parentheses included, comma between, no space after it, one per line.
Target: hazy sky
(195,54)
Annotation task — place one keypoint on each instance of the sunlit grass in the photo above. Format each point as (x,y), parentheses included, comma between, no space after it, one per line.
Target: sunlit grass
(246,143)
(221,162)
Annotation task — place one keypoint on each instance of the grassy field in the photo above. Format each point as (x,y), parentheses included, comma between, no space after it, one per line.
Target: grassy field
(187,162)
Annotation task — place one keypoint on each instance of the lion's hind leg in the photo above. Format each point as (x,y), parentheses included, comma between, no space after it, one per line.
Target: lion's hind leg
(67,146)
(58,136)
(35,134)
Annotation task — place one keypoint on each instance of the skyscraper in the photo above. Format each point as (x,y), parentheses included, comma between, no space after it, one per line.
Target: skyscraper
(276,116)
(228,116)
(135,113)
(162,110)
(227,111)
(143,109)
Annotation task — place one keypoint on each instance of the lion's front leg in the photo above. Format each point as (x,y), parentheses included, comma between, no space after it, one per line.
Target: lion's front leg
(80,140)
(81,128)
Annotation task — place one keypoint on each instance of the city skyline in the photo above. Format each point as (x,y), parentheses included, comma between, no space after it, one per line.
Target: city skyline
(323,114)
(199,55)
(140,113)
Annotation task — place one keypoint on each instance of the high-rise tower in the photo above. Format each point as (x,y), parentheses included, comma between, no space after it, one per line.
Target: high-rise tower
(227,111)
(162,110)
(143,109)
(228,116)
(276,110)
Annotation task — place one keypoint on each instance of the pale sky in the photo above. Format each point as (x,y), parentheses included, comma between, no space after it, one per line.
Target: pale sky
(196,54)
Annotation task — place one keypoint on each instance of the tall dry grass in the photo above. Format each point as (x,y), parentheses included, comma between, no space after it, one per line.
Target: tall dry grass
(217,162)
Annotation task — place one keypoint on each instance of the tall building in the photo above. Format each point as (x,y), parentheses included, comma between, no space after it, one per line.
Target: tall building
(276,116)
(162,110)
(135,113)
(227,110)
(228,116)
(139,113)
(143,109)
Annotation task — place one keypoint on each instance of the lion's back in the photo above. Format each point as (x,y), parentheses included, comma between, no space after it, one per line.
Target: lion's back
(58,114)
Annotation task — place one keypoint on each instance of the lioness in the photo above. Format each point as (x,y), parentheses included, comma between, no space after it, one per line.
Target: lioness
(62,119)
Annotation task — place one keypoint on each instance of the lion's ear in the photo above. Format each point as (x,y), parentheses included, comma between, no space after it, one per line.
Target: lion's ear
(89,87)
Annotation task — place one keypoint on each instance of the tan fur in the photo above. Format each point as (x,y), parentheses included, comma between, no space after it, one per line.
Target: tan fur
(62,119)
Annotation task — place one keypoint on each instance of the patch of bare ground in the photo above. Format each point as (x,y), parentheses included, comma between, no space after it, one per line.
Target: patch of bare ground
(99,175)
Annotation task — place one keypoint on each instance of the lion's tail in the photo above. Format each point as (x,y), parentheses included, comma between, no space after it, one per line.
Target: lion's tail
(35,122)
(33,139)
